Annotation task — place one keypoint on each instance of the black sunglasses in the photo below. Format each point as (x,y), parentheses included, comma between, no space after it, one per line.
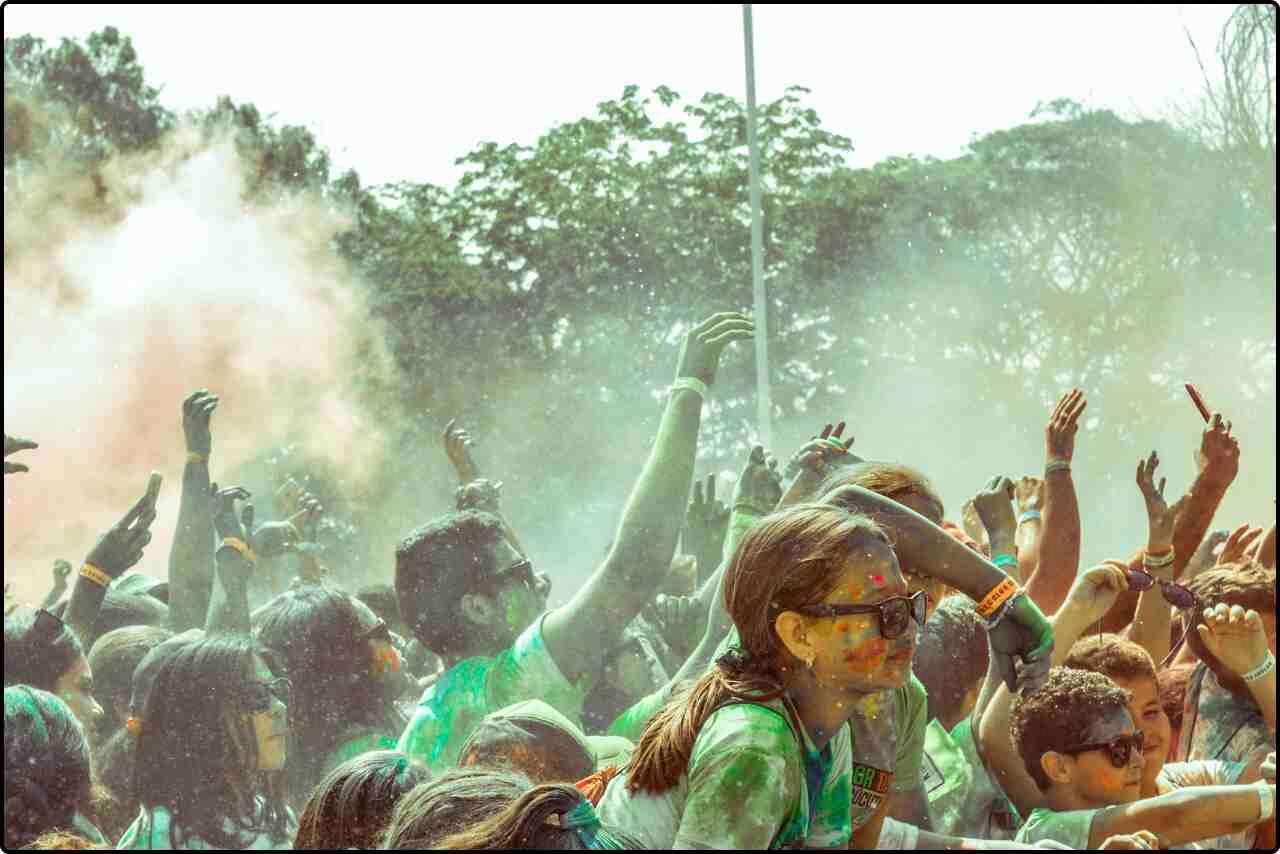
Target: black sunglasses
(378,631)
(1175,594)
(261,692)
(1118,749)
(895,614)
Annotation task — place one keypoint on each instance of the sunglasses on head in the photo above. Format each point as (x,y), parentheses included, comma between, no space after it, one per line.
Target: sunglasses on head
(895,614)
(521,570)
(377,632)
(262,692)
(1119,750)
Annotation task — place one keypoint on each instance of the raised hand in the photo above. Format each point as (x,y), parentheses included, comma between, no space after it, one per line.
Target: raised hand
(61,572)
(700,352)
(823,453)
(13,444)
(1235,637)
(1096,590)
(197,409)
(121,546)
(994,505)
(225,521)
(760,485)
(1219,455)
(1160,516)
(705,525)
(972,522)
(270,539)
(1204,556)
(457,447)
(1028,493)
(1060,434)
(1237,544)
(1022,646)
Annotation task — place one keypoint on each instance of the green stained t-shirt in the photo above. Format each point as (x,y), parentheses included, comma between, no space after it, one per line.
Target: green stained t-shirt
(750,783)
(963,798)
(452,706)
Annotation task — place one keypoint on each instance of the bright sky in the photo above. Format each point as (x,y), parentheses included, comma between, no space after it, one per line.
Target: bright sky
(399,92)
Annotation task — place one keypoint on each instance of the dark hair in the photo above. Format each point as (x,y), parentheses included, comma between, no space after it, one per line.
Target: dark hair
(892,480)
(113,764)
(113,658)
(538,750)
(792,558)
(1248,584)
(46,765)
(197,752)
(440,807)
(1111,655)
(120,609)
(952,657)
(315,630)
(353,803)
(436,566)
(1058,716)
(38,655)
(1173,682)
(526,825)
(382,600)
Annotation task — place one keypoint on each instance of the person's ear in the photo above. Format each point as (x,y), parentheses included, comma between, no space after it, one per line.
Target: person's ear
(478,609)
(1057,767)
(794,633)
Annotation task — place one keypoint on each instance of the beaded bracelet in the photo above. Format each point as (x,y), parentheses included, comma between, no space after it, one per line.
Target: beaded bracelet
(996,597)
(1003,561)
(1267,666)
(692,384)
(1158,561)
(95,575)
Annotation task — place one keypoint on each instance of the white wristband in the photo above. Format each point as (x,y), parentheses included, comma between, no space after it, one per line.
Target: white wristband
(692,384)
(1268,664)
(1266,800)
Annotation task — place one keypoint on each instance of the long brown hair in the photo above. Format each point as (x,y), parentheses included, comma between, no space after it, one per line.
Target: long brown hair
(790,559)
(892,480)
(550,817)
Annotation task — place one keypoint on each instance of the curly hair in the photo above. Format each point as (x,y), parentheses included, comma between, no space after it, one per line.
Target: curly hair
(1113,656)
(436,566)
(1058,716)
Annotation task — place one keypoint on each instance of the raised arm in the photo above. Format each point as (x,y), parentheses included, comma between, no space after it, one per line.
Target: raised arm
(705,526)
(61,572)
(1185,815)
(1150,626)
(1238,639)
(578,633)
(1028,495)
(116,550)
(1219,462)
(1093,594)
(229,609)
(1059,557)
(13,444)
(190,563)
(815,461)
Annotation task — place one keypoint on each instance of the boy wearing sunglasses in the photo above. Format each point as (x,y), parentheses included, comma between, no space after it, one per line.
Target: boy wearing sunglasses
(1079,742)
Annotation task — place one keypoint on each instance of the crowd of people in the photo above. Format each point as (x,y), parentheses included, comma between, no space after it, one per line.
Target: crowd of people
(827,660)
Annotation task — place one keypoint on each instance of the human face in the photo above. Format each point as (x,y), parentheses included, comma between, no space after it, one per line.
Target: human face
(270,726)
(75,688)
(851,653)
(1146,710)
(1095,779)
(521,593)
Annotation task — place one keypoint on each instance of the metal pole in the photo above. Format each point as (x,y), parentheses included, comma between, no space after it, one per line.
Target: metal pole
(765,405)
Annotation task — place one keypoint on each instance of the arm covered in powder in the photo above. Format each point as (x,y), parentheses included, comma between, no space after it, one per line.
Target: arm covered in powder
(190,564)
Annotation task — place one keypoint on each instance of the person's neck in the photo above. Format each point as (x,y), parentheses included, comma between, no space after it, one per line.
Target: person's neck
(821,711)
(1066,799)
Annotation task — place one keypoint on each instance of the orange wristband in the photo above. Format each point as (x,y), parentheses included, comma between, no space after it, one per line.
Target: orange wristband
(1001,593)
(240,546)
(95,575)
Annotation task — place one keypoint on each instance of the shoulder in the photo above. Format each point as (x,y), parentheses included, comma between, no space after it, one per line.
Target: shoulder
(1070,828)
(741,726)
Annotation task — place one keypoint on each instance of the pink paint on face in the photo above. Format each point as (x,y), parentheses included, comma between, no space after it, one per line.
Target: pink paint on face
(866,657)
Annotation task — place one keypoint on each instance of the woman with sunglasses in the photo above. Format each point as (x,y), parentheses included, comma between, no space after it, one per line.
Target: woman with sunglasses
(213,730)
(756,753)
(345,674)
(1081,745)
